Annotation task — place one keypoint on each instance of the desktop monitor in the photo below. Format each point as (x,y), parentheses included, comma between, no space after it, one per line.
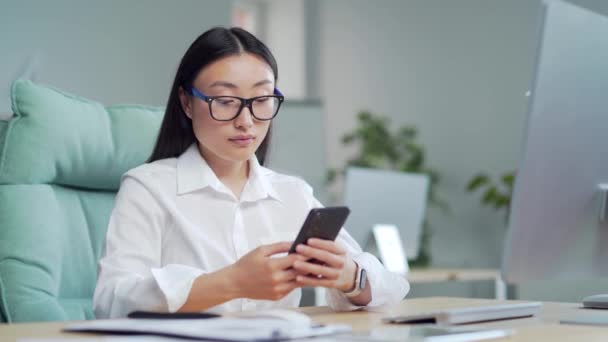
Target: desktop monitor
(558,226)
(386,197)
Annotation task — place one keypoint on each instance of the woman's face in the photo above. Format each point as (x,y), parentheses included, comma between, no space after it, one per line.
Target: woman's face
(245,76)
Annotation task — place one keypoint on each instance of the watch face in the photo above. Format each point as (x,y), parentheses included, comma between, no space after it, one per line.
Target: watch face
(363,280)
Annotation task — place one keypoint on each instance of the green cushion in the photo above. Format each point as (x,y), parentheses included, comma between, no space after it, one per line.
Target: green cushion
(50,242)
(61,158)
(58,138)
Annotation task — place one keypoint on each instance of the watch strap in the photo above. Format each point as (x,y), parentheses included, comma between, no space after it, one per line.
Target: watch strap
(358,287)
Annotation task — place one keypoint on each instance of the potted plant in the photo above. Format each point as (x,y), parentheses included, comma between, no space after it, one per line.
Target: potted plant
(496,193)
(380,147)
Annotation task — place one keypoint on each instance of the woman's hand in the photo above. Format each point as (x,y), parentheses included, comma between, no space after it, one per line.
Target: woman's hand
(337,268)
(257,275)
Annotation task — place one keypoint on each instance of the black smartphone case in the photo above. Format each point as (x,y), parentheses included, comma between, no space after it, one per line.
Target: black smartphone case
(322,223)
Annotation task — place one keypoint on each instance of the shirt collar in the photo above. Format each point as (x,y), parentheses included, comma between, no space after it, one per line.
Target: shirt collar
(259,185)
(193,173)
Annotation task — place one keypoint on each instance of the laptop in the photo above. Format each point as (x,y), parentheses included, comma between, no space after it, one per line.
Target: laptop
(469,314)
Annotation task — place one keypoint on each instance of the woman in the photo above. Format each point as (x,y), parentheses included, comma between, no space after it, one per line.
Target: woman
(203,225)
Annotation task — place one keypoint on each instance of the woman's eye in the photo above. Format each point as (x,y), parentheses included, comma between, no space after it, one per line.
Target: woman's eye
(261,100)
(225,102)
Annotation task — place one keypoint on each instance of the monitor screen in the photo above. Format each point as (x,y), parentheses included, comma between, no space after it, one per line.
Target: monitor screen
(555,230)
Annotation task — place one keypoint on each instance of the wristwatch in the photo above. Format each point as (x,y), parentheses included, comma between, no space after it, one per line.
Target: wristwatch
(360,281)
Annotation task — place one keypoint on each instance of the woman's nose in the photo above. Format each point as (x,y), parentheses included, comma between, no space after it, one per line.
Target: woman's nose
(245,118)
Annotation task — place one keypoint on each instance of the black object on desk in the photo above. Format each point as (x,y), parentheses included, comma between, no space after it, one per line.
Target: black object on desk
(174,315)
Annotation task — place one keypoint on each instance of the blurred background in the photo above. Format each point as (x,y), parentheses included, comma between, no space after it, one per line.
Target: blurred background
(456,72)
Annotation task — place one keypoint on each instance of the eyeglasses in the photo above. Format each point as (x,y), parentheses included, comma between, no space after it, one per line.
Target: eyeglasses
(227,108)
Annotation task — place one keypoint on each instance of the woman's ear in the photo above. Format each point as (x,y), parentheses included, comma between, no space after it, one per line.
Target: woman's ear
(184,100)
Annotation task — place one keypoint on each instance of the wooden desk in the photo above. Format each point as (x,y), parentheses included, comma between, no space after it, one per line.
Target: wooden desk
(433,275)
(543,327)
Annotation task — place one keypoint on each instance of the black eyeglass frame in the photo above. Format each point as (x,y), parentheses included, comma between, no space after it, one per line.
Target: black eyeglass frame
(244,103)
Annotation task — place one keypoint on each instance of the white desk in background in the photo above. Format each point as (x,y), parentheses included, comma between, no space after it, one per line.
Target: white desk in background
(433,275)
(437,275)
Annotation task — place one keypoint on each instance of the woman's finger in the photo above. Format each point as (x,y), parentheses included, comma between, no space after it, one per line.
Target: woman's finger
(328,245)
(285,276)
(321,255)
(286,262)
(304,267)
(275,248)
(314,282)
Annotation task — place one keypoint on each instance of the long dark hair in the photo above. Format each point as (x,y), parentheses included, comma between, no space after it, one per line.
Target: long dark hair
(176,133)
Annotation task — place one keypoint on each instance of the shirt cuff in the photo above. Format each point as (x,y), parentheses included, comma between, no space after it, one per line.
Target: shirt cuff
(387,287)
(175,282)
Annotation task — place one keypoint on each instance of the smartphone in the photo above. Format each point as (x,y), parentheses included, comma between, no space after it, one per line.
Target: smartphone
(321,223)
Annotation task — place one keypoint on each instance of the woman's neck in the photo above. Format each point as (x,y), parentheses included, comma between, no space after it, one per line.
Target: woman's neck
(233,174)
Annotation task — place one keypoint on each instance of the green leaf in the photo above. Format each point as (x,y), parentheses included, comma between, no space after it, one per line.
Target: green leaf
(490,195)
(501,202)
(478,181)
(359,162)
(416,158)
(434,175)
(364,116)
(331,176)
(407,133)
(508,179)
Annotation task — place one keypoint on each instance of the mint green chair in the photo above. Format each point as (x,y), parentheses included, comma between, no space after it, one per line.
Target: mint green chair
(61,159)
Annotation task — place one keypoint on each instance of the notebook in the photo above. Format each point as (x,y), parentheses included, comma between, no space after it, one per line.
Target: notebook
(469,314)
(260,327)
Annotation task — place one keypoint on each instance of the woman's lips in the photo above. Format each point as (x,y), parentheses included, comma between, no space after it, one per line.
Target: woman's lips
(242,141)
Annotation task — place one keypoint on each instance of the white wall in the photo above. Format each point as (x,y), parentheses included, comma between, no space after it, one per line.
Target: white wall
(285,36)
(112,51)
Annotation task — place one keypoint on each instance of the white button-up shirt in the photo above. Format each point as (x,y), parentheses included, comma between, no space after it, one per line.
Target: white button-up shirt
(174,220)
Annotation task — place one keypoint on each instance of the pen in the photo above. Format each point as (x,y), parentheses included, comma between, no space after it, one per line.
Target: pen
(169,315)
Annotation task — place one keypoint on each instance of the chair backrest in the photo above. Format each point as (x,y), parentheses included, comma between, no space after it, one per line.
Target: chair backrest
(61,159)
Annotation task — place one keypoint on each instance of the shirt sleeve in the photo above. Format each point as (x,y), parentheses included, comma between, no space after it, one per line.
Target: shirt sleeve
(130,276)
(387,287)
